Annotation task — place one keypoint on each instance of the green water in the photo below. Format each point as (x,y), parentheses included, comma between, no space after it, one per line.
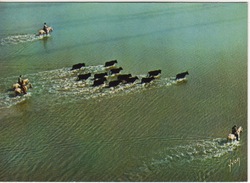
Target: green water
(64,130)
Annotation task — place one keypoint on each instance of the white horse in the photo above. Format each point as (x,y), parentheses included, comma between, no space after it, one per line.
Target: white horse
(17,87)
(19,91)
(232,137)
(25,82)
(42,32)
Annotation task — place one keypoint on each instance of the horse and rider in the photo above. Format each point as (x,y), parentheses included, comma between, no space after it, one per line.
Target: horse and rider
(45,30)
(235,132)
(20,81)
(235,135)
(21,86)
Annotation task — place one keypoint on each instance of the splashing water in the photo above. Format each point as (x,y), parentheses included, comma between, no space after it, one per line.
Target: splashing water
(63,84)
(16,39)
(200,150)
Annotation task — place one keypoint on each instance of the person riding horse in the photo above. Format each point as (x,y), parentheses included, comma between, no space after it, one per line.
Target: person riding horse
(234,131)
(45,28)
(20,80)
(21,83)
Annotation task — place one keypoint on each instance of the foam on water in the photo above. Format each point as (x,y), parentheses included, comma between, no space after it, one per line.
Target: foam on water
(62,84)
(200,150)
(10,100)
(19,38)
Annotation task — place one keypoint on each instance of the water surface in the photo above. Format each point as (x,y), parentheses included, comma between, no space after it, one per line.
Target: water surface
(64,130)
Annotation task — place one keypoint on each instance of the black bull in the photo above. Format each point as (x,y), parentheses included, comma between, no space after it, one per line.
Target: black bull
(99,82)
(110,63)
(147,80)
(78,66)
(154,73)
(181,75)
(83,76)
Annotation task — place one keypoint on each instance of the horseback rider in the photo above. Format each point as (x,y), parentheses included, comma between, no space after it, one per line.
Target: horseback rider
(45,28)
(234,131)
(23,87)
(20,80)
(22,84)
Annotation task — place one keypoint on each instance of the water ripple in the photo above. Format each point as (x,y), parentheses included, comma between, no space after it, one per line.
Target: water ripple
(20,38)
(182,154)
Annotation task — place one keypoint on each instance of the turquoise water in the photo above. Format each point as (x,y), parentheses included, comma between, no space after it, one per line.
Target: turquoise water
(64,130)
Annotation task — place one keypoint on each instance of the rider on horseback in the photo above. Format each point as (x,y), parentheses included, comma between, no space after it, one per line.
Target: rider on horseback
(23,88)
(234,131)
(45,28)
(22,84)
(20,80)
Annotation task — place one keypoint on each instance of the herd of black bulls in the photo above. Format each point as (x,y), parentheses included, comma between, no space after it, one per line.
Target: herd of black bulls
(112,70)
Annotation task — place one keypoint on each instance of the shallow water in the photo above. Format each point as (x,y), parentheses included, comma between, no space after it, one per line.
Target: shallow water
(68,130)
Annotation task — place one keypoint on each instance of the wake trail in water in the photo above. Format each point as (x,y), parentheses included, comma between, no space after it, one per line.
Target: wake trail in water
(170,157)
(62,84)
(19,38)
